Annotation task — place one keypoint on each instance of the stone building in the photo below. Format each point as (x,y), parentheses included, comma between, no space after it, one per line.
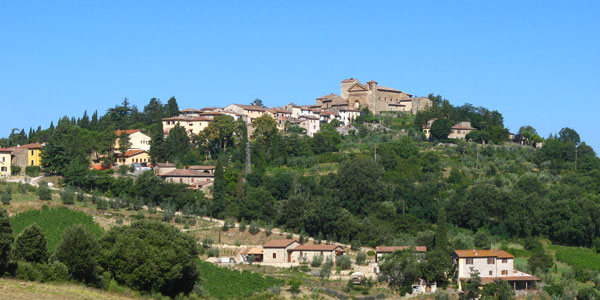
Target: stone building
(357,95)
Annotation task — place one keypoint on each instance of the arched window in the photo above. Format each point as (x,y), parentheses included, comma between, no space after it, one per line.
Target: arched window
(274,255)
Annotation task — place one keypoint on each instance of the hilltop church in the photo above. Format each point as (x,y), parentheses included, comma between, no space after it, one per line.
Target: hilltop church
(356,95)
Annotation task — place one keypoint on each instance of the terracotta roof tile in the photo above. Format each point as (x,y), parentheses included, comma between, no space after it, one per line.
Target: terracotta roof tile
(278,243)
(186,173)
(313,247)
(6,150)
(131,153)
(31,146)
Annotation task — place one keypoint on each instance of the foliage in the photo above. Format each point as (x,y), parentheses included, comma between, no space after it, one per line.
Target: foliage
(150,256)
(78,250)
(540,260)
(6,240)
(325,271)
(30,245)
(217,281)
(67,195)
(32,171)
(343,262)
(401,269)
(497,290)
(577,256)
(316,261)
(6,197)
(44,192)
(53,221)
(361,258)
(440,129)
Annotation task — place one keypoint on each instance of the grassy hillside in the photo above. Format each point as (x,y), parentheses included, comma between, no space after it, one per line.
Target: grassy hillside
(53,222)
(577,256)
(223,283)
(25,290)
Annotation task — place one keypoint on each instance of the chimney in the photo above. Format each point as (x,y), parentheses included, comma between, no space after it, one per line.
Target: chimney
(372,85)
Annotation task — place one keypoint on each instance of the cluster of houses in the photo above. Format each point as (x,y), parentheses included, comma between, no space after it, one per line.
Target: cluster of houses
(23,156)
(491,264)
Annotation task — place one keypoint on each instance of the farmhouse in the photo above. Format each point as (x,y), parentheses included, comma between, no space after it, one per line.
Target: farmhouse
(5,162)
(162,168)
(460,130)
(133,156)
(276,251)
(137,140)
(305,253)
(492,265)
(188,177)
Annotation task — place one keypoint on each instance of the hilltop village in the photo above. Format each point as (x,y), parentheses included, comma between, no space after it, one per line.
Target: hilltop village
(356,193)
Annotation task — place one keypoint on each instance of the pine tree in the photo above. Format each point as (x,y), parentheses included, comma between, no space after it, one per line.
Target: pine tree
(219,189)
(6,239)
(172,109)
(84,122)
(94,122)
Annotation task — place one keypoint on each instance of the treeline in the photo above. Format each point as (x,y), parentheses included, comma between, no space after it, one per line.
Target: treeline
(149,257)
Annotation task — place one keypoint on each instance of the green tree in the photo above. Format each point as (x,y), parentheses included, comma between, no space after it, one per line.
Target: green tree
(219,190)
(151,257)
(482,240)
(30,245)
(568,135)
(257,102)
(265,130)
(440,129)
(124,142)
(436,267)
(498,290)
(6,240)
(471,287)
(171,108)
(359,184)
(441,233)
(540,260)
(177,144)
(78,250)
(401,269)
(6,197)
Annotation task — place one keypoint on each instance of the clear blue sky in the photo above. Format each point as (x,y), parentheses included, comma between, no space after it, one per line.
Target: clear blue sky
(537,62)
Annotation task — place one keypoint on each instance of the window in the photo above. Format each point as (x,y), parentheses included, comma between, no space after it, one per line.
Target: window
(491,260)
(3,159)
(469,261)
(490,273)
(32,162)
(4,169)
(504,272)
(274,255)
(504,260)
(31,152)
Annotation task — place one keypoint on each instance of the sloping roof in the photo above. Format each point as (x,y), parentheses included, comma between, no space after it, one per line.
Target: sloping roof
(390,249)
(308,117)
(279,243)
(188,119)
(389,89)
(191,110)
(487,280)
(165,165)
(483,253)
(201,167)
(349,80)
(6,150)
(252,107)
(313,247)
(252,251)
(463,125)
(186,173)
(31,146)
(281,110)
(131,153)
(199,184)
(128,131)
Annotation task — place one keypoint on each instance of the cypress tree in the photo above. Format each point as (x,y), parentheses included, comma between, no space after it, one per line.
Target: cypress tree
(441,234)
(219,189)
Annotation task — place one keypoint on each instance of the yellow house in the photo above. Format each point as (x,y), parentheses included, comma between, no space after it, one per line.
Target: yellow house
(5,162)
(134,157)
(34,154)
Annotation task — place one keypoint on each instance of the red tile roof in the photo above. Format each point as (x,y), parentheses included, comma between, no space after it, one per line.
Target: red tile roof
(390,249)
(201,167)
(278,243)
(487,280)
(322,247)
(31,146)
(128,131)
(188,119)
(131,153)
(252,107)
(6,150)
(483,253)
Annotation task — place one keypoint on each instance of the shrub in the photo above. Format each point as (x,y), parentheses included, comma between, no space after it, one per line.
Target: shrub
(120,221)
(295,286)
(316,261)
(254,229)
(269,230)
(207,242)
(305,268)
(80,196)
(243,226)
(28,271)
(6,239)
(361,258)
(32,171)
(371,253)
(44,192)
(30,245)
(67,195)
(325,271)
(57,271)
(15,170)
(101,204)
(6,197)
(343,262)
(213,252)
(179,219)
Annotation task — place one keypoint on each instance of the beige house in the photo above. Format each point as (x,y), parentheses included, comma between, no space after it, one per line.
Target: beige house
(137,140)
(306,253)
(251,111)
(193,124)
(281,116)
(5,161)
(276,251)
(460,130)
(133,157)
(312,124)
(192,178)
(492,265)
(382,251)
